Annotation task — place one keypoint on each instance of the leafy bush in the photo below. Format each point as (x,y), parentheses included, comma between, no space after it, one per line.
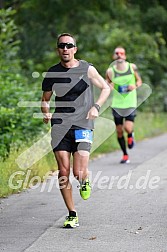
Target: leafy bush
(16,123)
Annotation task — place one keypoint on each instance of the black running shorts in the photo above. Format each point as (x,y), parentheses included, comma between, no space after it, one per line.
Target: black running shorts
(68,143)
(120,116)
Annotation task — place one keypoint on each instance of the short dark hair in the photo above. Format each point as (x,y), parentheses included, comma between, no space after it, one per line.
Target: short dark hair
(65,34)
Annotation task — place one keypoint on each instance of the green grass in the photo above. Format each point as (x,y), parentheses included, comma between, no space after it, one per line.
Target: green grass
(147,125)
(22,179)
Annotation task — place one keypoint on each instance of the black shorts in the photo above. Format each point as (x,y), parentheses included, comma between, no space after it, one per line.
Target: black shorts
(68,143)
(121,115)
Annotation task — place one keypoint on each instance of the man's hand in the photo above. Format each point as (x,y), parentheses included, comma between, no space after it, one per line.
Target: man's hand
(47,117)
(131,87)
(92,113)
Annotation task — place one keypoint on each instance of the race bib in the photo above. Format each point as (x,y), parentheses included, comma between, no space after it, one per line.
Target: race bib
(123,89)
(84,136)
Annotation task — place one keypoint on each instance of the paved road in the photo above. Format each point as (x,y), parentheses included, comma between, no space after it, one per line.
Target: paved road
(126,212)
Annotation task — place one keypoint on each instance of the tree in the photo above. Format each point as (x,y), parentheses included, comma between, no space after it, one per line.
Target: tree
(15,122)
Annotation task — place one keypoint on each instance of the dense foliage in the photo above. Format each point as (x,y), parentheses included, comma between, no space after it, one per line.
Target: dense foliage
(29,29)
(16,123)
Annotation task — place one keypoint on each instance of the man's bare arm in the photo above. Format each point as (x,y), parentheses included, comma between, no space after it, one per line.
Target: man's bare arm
(109,79)
(45,108)
(137,76)
(97,80)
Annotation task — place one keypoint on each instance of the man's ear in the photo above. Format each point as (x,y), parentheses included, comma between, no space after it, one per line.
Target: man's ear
(57,51)
(76,49)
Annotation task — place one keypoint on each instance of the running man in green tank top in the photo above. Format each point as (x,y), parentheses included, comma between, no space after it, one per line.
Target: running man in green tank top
(123,79)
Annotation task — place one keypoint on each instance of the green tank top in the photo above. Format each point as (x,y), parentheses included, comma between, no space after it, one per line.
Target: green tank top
(122,98)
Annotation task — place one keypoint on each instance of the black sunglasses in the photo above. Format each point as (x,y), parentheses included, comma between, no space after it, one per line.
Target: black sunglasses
(67,45)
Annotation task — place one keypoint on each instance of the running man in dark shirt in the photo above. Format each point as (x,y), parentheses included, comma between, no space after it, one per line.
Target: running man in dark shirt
(71,81)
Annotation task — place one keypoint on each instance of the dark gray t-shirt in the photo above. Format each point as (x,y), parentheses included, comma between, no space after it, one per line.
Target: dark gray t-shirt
(73,95)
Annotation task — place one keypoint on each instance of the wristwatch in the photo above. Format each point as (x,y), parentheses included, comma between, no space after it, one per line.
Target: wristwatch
(97,106)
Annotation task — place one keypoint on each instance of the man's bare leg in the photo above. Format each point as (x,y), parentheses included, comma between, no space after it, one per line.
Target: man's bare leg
(63,161)
(80,170)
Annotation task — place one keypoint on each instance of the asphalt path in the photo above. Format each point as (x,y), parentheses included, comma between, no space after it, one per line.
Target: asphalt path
(127,210)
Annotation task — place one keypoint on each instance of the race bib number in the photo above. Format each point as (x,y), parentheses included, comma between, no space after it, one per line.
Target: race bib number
(123,89)
(84,136)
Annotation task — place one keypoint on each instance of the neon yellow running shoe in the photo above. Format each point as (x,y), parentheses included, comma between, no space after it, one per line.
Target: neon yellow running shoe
(71,222)
(85,189)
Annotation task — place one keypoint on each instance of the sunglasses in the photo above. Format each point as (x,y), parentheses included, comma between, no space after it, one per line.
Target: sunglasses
(67,45)
(121,53)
